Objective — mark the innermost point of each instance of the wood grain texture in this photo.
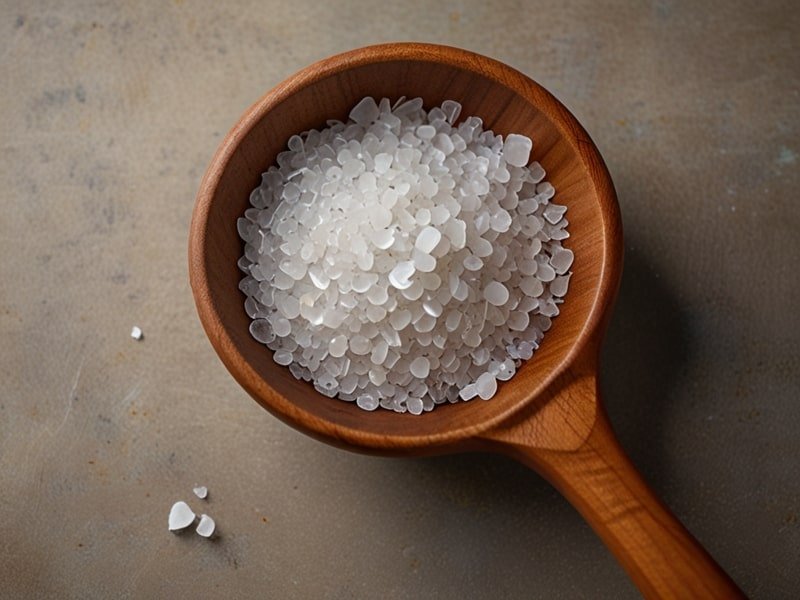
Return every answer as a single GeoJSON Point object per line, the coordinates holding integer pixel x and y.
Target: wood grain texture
{"type": "Point", "coordinates": [548, 415]}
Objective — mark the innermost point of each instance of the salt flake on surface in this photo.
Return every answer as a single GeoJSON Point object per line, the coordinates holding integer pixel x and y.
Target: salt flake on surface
{"type": "Point", "coordinates": [206, 526]}
{"type": "Point", "coordinates": [180, 516]}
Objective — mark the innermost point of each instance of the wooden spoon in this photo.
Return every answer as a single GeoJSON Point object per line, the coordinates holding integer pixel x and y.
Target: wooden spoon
{"type": "Point", "coordinates": [549, 416]}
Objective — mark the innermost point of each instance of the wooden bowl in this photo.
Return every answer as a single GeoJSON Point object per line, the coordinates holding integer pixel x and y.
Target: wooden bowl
{"type": "Point", "coordinates": [548, 415]}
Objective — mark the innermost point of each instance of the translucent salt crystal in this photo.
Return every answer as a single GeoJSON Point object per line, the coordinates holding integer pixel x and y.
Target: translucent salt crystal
{"type": "Point", "coordinates": [486, 386]}
{"type": "Point", "coordinates": [382, 238]}
{"type": "Point", "coordinates": [367, 402]}
{"type": "Point", "coordinates": [261, 330]}
{"type": "Point", "coordinates": [337, 346]}
{"type": "Point", "coordinates": [360, 345]}
{"type": "Point", "coordinates": [425, 324]}
{"type": "Point", "coordinates": [456, 230]}
{"type": "Point", "coordinates": [377, 295]}
{"type": "Point", "coordinates": [380, 216]}
{"type": "Point", "coordinates": [375, 314]}
{"type": "Point", "coordinates": [525, 350]}
{"type": "Point", "coordinates": [382, 162]}
{"type": "Point", "coordinates": [281, 326]}
{"type": "Point", "coordinates": [517, 150]}
{"type": "Point", "coordinates": [296, 269]}
{"type": "Point", "coordinates": [561, 260]}
{"type": "Point", "coordinates": [379, 352]}
{"type": "Point", "coordinates": [506, 370]}
{"type": "Point", "coordinates": [365, 260]}
{"type": "Point", "coordinates": [545, 272]}
{"type": "Point", "coordinates": [500, 221]}
{"type": "Point", "coordinates": [451, 110]}
{"type": "Point", "coordinates": [433, 307]}
{"type": "Point", "coordinates": [399, 277]}
{"type": "Point", "coordinates": [453, 320]}
{"type": "Point", "coordinates": [282, 357]}
{"type": "Point", "coordinates": [554, 213]}
{"type": "Point", "coordinates": [472, 263]}
{"type": "Point", "coordinates": [136, 333]}
{"type": "Point", "coordinates": [518, 321]}
{"type": "Point", "coordinates": [531, 286]}
{"type": "Point", "coordinates": [482, 247]}
{"type": "Point", "coordinates": [423, 262]}
{"type": "Point", "coordinates": [496, 293]}
{"type": "Point", "coordinates": [377, 376]}
{"type": "Point", "coordinates": [426, 132]}
{"type": "Point", "coordinates": [462, 291]}
{"type": "Point", "coordinates": [414, 406]}
{"type": "Point", "coordinates": [420, 367]}
{"type": "Point", "coordinates": [468, 392]}
{"type": "Point", "coordinates": [427, 239]}
{"type": "Point", "coordinates": [559, 285]}
{"type": "Point", "coordinates": [400, 319]}
{"type": "Point", "coordinates": [365, 112]}
{"type": "Point", "coordinates": [180, 516]}
{"type": "Point", "coordinates": [545, 191]}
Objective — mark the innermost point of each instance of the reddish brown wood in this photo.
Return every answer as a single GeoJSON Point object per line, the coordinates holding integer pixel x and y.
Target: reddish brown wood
{"type": "Point", "coordinates": [548, 415]}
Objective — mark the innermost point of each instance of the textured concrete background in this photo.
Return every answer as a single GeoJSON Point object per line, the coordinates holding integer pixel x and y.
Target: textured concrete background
{"type": "Point", "coordinates": [108, 117]}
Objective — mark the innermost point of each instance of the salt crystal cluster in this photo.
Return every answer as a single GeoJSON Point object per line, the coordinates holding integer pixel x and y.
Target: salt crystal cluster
{"type": "Point", "coordinates": [401, 260]}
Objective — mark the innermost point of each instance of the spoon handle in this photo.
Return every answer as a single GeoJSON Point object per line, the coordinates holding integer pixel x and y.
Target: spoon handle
{"type": "Point", "coordinates": [658, 552]}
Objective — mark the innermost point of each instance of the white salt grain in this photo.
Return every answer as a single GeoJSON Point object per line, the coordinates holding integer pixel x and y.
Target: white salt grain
{"type": "Point", "coordinates": [206, 526]}
{"type": "Point", "coordinates": [136, 333]}
{"type": "Point", "coordinates": [496, 293]}
{"type": "Point", "coordinates": [200, 491]}
{"type": "Point", "coordinates": [517, 150]}
{"type": "Point", "coordinates": [180, 516]}
{"type": "Point", "coordinates": [396, 260]}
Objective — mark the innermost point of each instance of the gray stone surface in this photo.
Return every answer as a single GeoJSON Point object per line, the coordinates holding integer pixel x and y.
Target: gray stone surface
{"type": "Point", "coordinates": [108, 117]}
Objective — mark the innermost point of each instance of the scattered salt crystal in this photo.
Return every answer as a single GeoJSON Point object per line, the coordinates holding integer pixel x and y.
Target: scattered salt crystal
{"type": "Point", "coordinates": [180, 516]}
{"type": "Point", "coordinates": [397, 261]}
{"type": "Point", "coordinates": [206, 526]}
{"type": "Point", "coordinates": [200, 491]}
{"type": "Point", "coordinates": [136, 333]}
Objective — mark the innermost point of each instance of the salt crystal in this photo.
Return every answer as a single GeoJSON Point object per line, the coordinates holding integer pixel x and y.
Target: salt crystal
{"type": "Point", "coordinates": [206, 526]}
{"type": "Point", "coordinates": [367, 402]}
{"type": "Point", "coordinates": [200, 491]}
{"type": "Point", "coordinates": [468, 392]}
{"type": "Point", "coordinates": [365, 112]}
{"type": "Point", "coordinates": [486, 386]}
{"type": "Point", "coordinates": [559, 285]}
{"type": "Point", "coordinates": [427, 239]}
{"type": "Point", "coordinates": [180, 516]}
{"type": "Point", "coordinates": [415, 406]}
{"type": "Point", "coordinates": [420, 367]}
{"type": "Point", "coordinates": [517, 150]}
{"type": "Point", "coordinates": [136, 333]}
{"type": "Point", "coordinates": [496, 293]}
{"type": "Point", "coordinates": [562, 260]}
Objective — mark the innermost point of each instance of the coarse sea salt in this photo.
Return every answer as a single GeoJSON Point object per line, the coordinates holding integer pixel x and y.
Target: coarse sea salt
{"type": "Point", "coordinates": [404, 259]}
